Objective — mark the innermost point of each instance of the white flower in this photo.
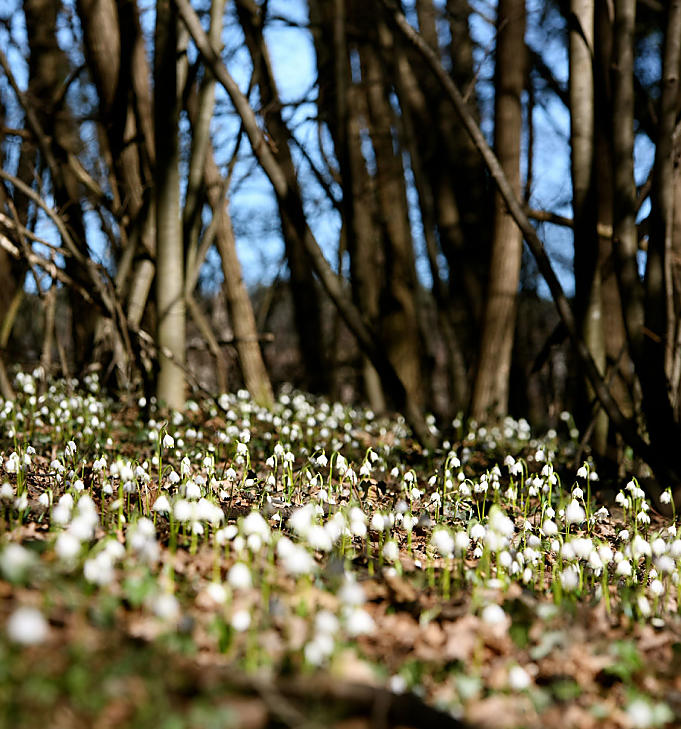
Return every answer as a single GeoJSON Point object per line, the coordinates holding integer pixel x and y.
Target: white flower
{"type": "Point", "coordinates": [99, 569]}
{"type": "Point", "coordinates": [162, 505]}
{"type": "Point", "coordinates": [478, 531]}
{"type": "Point", "coordinates": [239, 576]}
{"type": "Point", "coordinates": [241, 621]}
{"type": "Point", "coordinates": [574, 513]}
{"type": "Point", "coordinates": [461, 542]}
{"type": "Point", "coordinates": [639, 547]}
{"type": "Point", "coordinates": [656, 588]}
{"type": "Point", "coordinates": [67, 546]}
{"type": "Point", "coordinates": [254, 523]}
{"type": "Point", "coordinates": [217, 593]}
{"type": "Point", "coordinates": [183, 510]}
{"type": "Point", "coordinates": [640, 714]}
{"type": "Point", "coordinates": [583, 471]}
{"type": "Point", "coordinates": [302, 518]}
{"type": "Point", "coordinates": [296, 560]}
{"type": "Point", "coordinates": [624, 568]}
{"type": "Point", "coordinates": [15, 561]}
{"type": "Point", "coordinates": [643, 605]}
{"type": "Point", "coordinates": [359, 622]}
{"type": "Point", "coordinates": [352, 593]}
{"type": "Point", "coordinates": [518, 678]}
{"type": "Point", "coordinates": [166, 607]}
{"type": "Point", "coordinates": [26, 625]}
{"type": "Point", "coordinates": [391, 552]}
{"type": "Point", "coordinates": [168, 441]}
{"type": "Point", "coordinates": [549, 528]}
{"type": "Point", "coordinates": [493, 614]}
{"type": "Point", "coordinates": [569, 578]}
{"type": "Point", "coordinates": [326, 623]}
{"type": "Point", "coordinates": [443, 542]}
{"type": "Point", "coordinates": [319, 539]}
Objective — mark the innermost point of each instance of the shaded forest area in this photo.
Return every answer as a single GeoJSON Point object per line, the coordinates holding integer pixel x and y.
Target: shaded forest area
{"type": "Point", "coordinates": [125, 124]}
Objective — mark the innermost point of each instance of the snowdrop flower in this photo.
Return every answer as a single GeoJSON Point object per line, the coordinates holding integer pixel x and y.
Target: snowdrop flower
{"type": "Point", "coordinates": [352, 593]}
{"type": "Point", "coordinates": [296, 560]}
{"type": "Point", "coordinates": [326, 623]}
{"type": "Point", "coordinates": [665, 564]}
{"type": "Point", "coordinates": [639, 547]}
{"type": "Point", "coordinates": [318, 538]}
{"type": "Point", "coordinates": [478, 531]}
{"type": "Point", "coordinates": [574, 513]}
{"type": "Point", "coordinates": [583, 471]}
{"type": "Point", "coordinates": [67, 546]}
{"type": "Point", "coordinates": [461, 542]}
{"type": "Point", "coordinates": [359, 622]}
{"type": "Point", "coordinates": [166, 607]}
{"type": "Point", "coordinates": [569, 578]}
{"type": "Point", "coordinates": [500, 523]}
{"type": "Point", "coordinates": [161, 505]}
{"type": "Point", "coordinates": [302, 518]}
{"type": "Point", "coordinates": [493, 614]}
{"type": "Point", "coordinates": [254, 523]}
{"type": "Point", "coordinates": [623, 568]}
{"type": "Point", "coordinates": [640, 714]}
{"type": "Point", "coordinates": [239, 576]}
{"type": "Point", "coordinates": [518, 679]}
{"type": "Point", "coordinates": [15, 561]}
{"type": "Point", "coordinates": [99, 569]}
{"type": "Point", "coordinates": [27, 626]}
{"type": "Point", "coordinates": [442, 540]}
{"type": "Point", "coordinates": [549, 528]}
{"type": "Point", "coordinates": [666, 497]}
{"type": "Point", "coordinates": [183, 510]}
{"type": "Point", "coordinates": [643, 605]}
{"type": "Point", "coordinates": [656, 588]}
{"type": "Point", "coordinates": [217, 593]}
{"type": "Point", "coordinates": [391, 552]}
{"type": "Point", "coordinates": [241, 621]}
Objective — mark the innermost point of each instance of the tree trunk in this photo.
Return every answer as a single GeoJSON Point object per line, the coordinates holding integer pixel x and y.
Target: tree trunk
{"type": "Point", "coordinates": [588, 290]}
{"type": "Point", "coordinates": [170, 388]}
{"type": "Point", "coordinates": [239, 305]}
{"type": "Point", "coordinates": [490, 391]}
{"type": "Point", "coordinates": [398, 321]}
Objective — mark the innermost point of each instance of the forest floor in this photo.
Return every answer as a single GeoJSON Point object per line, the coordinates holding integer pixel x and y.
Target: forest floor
{"type": "Point", "coordinates": [311, 566]}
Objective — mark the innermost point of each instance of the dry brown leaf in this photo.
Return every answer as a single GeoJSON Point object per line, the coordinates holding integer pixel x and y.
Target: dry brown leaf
{"type": "Point", "coordinates": [461, 638]}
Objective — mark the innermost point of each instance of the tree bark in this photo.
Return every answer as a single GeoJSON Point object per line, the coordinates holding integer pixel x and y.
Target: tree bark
{"type": "Point", "coordinates": [490, 391]}
{"type": "Point", "coordinates": [170, 388]}
{"type": "Point", "coordinates": [588, 290]}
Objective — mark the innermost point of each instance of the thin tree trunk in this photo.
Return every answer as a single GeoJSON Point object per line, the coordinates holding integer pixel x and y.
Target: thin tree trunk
{"type": "Point", "coordinates": [490, 391]}
{"type": "Point", "coordinates": [588, 292]}
{"type": "Point", "coordinates": [398, 321]}
{"type": "Point", "coordinates": [170, 302]}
